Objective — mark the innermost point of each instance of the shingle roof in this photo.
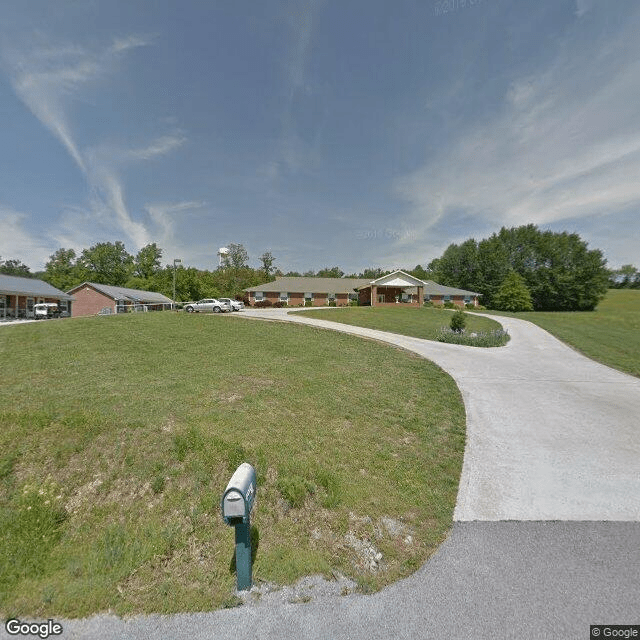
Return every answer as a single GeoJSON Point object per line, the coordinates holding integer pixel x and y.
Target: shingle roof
{"type": "Point", "coordinates": [312, 285]}
{"type": "Point", "coordinates": [434, 289]}
{"type": "Point", "coordinates": [347, 285]}
{"type": "Point", "coordinates": [122, 293]}
{"type": "Point", "coordinates": [15, 285]}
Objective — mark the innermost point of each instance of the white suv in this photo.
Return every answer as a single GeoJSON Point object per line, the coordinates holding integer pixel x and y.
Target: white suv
{"type": "Point", "coordinates": [207, 304]}
{"type": "Point", "coordinates": [235, 305]}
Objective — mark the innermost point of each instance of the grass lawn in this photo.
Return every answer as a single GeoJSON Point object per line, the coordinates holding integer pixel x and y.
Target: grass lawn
{"type": "Point", "coordinates": [610, 334]}
{"type": "Point", "coordinates": [119, 435]}
{"type": "Point", "coordinates": [418, 322]}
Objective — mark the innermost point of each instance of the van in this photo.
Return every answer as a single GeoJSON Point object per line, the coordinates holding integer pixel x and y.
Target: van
{"type": "Point", "coordinates": [44, 310]}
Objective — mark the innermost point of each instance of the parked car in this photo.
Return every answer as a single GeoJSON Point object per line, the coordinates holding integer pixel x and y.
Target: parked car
{"type": "Point", "coordinates": [44, 310]}
{"type": "Point", "coordinates": [207, 304]}
{"type": "Point", "coordinates": [236, 305]}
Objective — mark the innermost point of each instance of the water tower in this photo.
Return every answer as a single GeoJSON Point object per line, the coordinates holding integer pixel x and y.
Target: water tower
{"type": "Point", "coordinates": [223, 252]}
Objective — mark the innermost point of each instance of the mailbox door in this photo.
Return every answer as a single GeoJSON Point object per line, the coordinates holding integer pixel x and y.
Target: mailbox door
{"type": "Point", "coordinates": [233, 505]}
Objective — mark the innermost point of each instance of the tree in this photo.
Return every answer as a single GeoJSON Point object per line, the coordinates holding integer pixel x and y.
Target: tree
{"type": "Point", "coordinates": [513, 294]}
{"type": "Point", "coordinates": [624, 278]}
{"type": "Point", "coordinates": [333, 272]}
{"type": "Point", "coordinates": [267, 261]}
{"type": "Point", "coordinates": [147, 261]}
{"type": "Point", "coordinates": [107, 263]}
{"type": "Point", "coordinates": [420, 272]}
{"type": "Point", "coordinates": [15, 268]}
{"type": "Point", "coordinates": [561, 273]}
{"type": "Point", "coordinates": [62, 270]}
{"type": "Point", "coordinates": [373, 274]}
{"type": "Point", "coordinates": [236, 258]}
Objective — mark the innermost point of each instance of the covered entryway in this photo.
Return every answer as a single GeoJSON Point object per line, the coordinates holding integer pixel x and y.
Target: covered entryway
{"type": "Point", "coordinates": [396, 288]}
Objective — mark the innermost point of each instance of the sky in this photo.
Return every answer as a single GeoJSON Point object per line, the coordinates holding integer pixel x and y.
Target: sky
{"type": "Point", "coordinates": [357, 133]}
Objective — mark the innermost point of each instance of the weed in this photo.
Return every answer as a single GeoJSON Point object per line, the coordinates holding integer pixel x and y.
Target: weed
{"type": "Point", "coordinates": [330, 484]}
{"type": "Point", "coordinates": [294, 489]}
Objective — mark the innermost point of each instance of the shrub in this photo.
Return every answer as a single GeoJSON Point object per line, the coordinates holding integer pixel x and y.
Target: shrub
{"type": "Point", "coordinates": [279, 304]}
{"type": "Point", "coordinates": [428, 303]}
{"type": "Point", "coordinates": [308, 303]}
{"type": "Point", "coordinates": [449, 305]}
{"type": "Point", "coordinates": [458, 321]}
{"type": "Point", "coordinates": [261, 304]}
{"type": "Point", "coordinates": [470, 305]}
{"type": "Point", "coordinates": [332, 303]}
{"type": "Point", "coordinates": [513, 294]}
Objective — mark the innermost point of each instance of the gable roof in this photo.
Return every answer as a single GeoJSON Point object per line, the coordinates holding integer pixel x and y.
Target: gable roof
{"type": "Point", "coordinates": [312, 285]}
{"type": "Point", "coordinates": [122, 293]}
{"type": "Point", "coordinates": [350, 285]}
{"type": "Point", "coordinates": [16, 285]}
{"type": "Point", "coordinates": [397, 279]}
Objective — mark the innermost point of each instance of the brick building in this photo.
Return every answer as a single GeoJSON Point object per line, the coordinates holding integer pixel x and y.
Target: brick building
{"type": "Point", "coordinates": [395, 288]}
{"type": "Point", "coordinates": [92, 298]}
{"type": "Point", "coordinates": [19, 295]}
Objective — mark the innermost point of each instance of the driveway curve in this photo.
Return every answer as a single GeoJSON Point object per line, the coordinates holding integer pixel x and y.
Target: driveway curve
{"type": "Point", "coordinates": [551, 434]}
{"type": "Point", "coordinates": [546, 535]}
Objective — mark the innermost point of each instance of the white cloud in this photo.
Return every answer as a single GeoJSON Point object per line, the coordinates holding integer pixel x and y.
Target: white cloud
{"type": "Point", "coordinates": [166, 217]}
{"type": "Point", "coordinates": [159, 147]}
{"type": "Point", "coordinates": [565, 146]}
{"type": "Point", "coordinates": [17, 243]}
{"type": "Point", "coordinates": [129, 42]}
{"type": "Point", "coordinates": [46, 79]}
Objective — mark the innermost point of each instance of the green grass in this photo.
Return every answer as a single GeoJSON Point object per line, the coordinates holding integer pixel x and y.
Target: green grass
{"type": "Point", "coordinates": [120, 433]}
{"type": "Point", "coordinates": [610, 334]}
{"type": "Point", "coordinates": [418, 322]}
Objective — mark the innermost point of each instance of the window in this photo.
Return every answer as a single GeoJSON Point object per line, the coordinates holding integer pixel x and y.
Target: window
{"type": "Point", "coordinates": [284, 296]}
{"type": "Point", "coordinates": [308, 296]}
{"type": "Point", "coordinates": [467, 299]}
{"type": "Point", "coordinates": [259, 295]}
{"type": "Point", "coordinates": [427, 297]}
{"type": "Point", "coordinates": [332, 296]}
{"type": "Point", "coordinates": [447, 298]}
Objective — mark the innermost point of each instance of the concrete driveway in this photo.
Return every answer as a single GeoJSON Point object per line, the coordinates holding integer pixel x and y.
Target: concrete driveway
{"type": "Point", "coordinates": [546, 538]}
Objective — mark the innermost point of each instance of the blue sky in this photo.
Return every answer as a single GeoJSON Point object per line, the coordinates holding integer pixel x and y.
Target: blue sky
{"type": "Point", "coordinates": [357, 134]}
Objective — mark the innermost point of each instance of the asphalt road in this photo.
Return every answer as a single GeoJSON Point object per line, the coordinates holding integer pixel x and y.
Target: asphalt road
{"type": "Point", "coordinates": [546, 539]}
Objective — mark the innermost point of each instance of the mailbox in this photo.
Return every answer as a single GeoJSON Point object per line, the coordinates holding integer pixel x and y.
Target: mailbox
{"type": "Point", "coordinates": [240, 494]}
{"type": "Point", "coordinates": [236, 505]}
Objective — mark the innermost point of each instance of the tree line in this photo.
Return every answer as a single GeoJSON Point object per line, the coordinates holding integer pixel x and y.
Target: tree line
{"type": "Point", "coordinates": [110, 263]}
{"type": "Point", "coordinates": [557, 270]}
{"type": "Point", "coordinates": [517, 268]}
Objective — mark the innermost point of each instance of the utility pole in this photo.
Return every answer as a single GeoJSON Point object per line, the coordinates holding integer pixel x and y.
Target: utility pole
{"type": "Point", "coordinates": [175, 261]}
